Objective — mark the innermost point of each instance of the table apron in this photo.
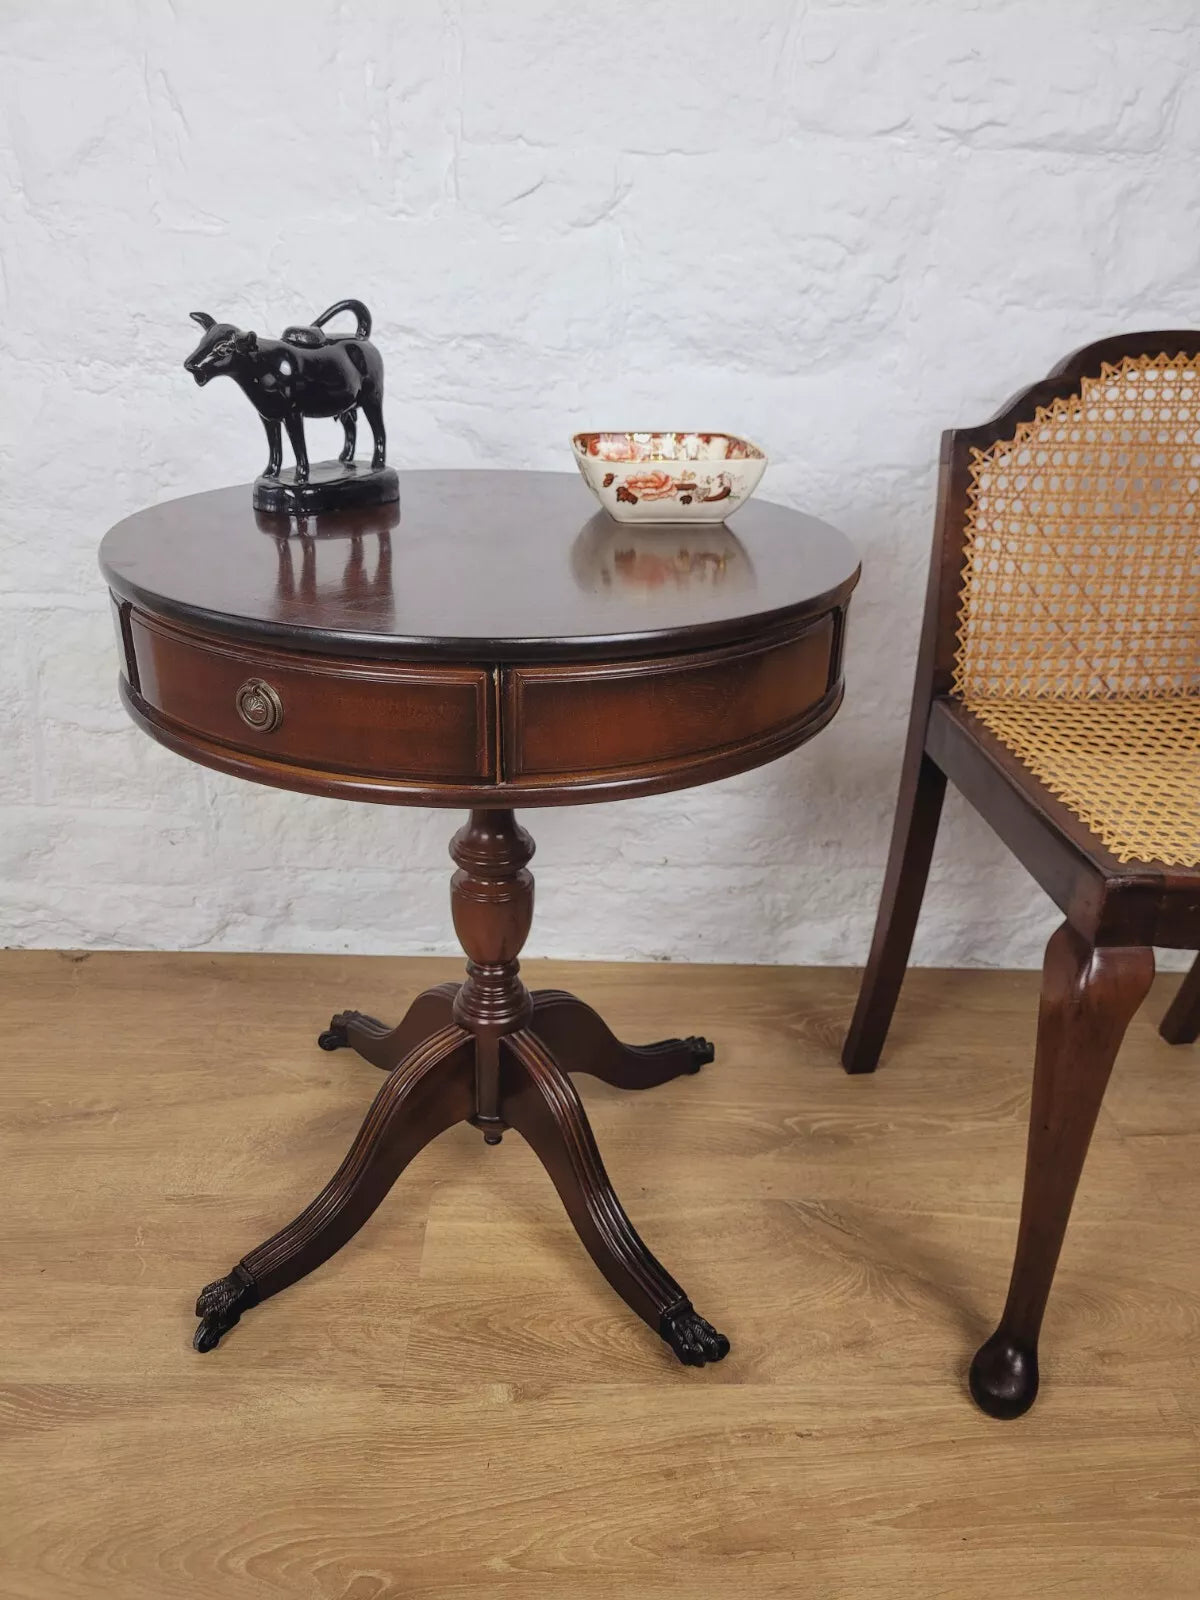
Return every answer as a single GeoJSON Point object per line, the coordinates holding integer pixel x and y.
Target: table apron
{"type": "Point", "coordinates": [478, 734]}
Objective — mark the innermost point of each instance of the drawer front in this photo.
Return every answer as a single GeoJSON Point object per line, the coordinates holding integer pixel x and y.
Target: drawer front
{"type": "Point", "coordinates": [407, 722]}
{"type": "Point", "coordinates": [565, 723]}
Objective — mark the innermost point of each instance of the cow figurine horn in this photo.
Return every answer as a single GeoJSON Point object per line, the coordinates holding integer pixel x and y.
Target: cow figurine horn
{"type": "Point", "coordinates": [203, 318]}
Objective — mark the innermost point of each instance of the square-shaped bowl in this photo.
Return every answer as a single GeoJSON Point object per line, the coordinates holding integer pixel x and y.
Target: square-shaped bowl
{"type": "Point", "coordinates": [669, 477]}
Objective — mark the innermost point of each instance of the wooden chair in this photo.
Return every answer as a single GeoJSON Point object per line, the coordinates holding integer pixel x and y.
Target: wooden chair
{"type": "Point", "coordinates": [1058, 685]}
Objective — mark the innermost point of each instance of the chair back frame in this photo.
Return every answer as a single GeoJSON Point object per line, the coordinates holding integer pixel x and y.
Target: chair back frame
{"type": "Point", "coordinates": [1107, 902]}
{"type": "Point", "coordinates": [940, 635]}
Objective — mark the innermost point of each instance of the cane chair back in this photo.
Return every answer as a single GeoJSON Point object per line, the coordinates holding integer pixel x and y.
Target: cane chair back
{"type": "Point", "coordinates": [1078, 622]}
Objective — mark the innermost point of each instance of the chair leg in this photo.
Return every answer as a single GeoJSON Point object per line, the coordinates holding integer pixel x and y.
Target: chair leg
{"type": "Point", "coordinates": [1181, 1025]}
{"type": "Point", "coordinates": [1088, 997]}
{"type": "Point", "coordinates": [918, 811]}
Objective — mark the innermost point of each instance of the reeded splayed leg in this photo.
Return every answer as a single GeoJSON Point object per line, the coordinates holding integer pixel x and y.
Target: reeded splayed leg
{"type": "Point", "coordinates": [1088, 998]}
{"type": "Point", "coordinates": [425, 1095]}
{"type": "Point", "coordinates": [386, 1047]}
{"type": "Point", "coordinates": [581, 1040]}
{"type": "Point", "coordinates": [539, 1101]}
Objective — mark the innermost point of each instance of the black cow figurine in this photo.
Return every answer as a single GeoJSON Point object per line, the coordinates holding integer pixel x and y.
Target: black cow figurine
{"type": "Point", "coordinates": [307, 373]}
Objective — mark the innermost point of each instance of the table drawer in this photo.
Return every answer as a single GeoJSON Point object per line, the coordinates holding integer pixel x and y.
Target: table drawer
{"type": "Point", "coordinates": [614, 721]}
{"type": "Point", "coordinates": [373, 718]}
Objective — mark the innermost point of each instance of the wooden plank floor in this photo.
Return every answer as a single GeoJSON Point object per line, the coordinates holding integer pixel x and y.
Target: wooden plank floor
{"type": "Point", "coordinates": [458, 1406]}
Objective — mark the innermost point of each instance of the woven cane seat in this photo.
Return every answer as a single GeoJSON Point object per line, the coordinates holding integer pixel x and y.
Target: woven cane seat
{"type": "Point", "coordinates": [1079, 620]}
{"type": "Point", "coordinates": [1128, 768]}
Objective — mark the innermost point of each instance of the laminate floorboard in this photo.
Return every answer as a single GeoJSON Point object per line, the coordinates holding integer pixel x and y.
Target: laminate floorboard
{"type": "Point", "coordinates": [456, 1406]}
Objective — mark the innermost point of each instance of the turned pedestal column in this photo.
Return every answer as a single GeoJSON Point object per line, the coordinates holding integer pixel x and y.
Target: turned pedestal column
{"type": "Point", "coordinates": [491, 898]}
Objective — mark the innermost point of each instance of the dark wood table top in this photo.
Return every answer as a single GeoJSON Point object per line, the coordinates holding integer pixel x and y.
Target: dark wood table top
{"type": "Point", "coordinates": [476, 566]}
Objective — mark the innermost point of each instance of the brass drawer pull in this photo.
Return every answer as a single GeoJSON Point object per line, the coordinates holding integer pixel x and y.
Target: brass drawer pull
{"type": "Point", "coordinates": [259, 706]}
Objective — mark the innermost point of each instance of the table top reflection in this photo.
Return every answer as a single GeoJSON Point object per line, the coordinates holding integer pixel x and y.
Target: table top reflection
{"type": "Point", "coordinates": [476, 565]}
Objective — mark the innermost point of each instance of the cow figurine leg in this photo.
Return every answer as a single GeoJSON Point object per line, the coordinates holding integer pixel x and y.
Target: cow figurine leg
{"type": "Point", "coordinates": [295, 427]}
{"type": "Point", "coordinates": [373, 411]}
{"type": "Point", "coordinates": [349, 421]}
{"type": "Point", "coordinates": [274, 447]}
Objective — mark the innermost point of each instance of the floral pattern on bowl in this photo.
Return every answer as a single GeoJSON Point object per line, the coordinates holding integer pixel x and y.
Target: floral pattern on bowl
{"type": "Point", "coordinates": [669, 477]}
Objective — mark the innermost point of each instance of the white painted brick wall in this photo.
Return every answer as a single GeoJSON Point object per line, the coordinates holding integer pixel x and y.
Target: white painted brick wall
{"type": "Point", "coordinates": [835, 227]}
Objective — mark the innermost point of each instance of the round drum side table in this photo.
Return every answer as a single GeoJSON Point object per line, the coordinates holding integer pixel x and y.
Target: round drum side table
{"type": "Point", "coordinates": [486, 644]}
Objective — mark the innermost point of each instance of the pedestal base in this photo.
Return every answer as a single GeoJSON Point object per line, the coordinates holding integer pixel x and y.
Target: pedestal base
{"type": "Point", "coordinates": [489, 1053]}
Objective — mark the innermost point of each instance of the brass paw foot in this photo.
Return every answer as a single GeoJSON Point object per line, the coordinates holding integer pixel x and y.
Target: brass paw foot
{"type": "Point", "coordinates": [693, 1340]}
{"type": "Point", "coordinates": [220, 1306]}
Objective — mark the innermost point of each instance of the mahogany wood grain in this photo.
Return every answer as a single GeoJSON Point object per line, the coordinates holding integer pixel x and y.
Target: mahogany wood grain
{"type": "Point", "coordinates": [376, 718]}
{"type": "Point", "coordinates": [327, 779]}
{"type": "Point", "coordinates": [613, 721]}
{"type": "Point", "coordinates": [448, 735]}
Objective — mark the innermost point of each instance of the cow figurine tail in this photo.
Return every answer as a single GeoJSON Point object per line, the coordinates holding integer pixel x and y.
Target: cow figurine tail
{"type": "Point", "coordinates": [363, 331]}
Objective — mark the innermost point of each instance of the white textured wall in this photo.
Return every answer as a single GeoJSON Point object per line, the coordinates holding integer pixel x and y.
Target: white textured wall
{"type": "Point", "coordinates": [837, 228]}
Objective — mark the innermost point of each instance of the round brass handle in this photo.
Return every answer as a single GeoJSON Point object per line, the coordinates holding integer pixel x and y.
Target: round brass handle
{"type": "Point", "coordinates": [259, 706]}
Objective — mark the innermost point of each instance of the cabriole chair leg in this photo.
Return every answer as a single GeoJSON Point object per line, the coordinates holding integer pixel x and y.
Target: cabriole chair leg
{"type": "Point", "coordinates": [1088, 997]}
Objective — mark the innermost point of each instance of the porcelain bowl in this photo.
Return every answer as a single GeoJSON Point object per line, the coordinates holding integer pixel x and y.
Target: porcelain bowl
{"type": "Point", "coordinates": [669, 477]}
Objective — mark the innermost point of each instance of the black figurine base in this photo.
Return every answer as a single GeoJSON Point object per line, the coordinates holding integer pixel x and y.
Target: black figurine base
{"type": "Point", "coordinates": [331, 486]}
